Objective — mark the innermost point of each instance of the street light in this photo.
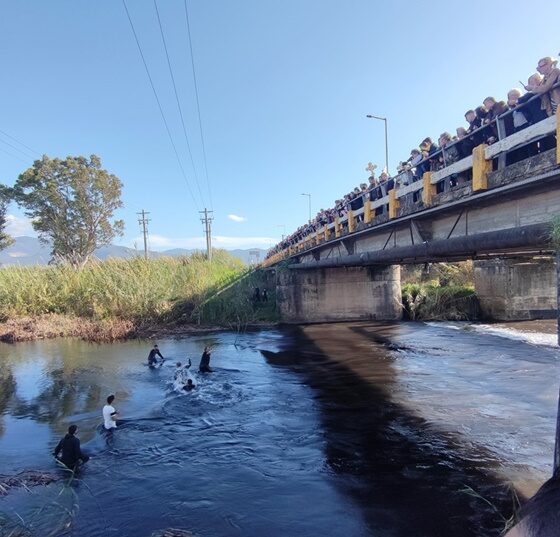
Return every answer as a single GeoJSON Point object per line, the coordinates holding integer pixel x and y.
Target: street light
{"type": "Point", "coordinates": [283, 226]}
{"type": "Point", "coordinates": [309, 198]}
{"type": "Point", "coordinates": [386, 142]}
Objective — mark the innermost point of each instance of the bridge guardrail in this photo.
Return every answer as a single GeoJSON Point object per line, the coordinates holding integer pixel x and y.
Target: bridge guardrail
{"type": "Point", "coordinates": [424, 191]}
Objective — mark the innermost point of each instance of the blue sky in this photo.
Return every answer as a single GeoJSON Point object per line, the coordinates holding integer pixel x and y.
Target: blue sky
{"type": "Point", "coordinates": [284, 88]}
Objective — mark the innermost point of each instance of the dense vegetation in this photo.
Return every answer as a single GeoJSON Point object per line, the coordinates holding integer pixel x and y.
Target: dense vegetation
{"type": "Point", "coordinates": [443, 291]}
{"type": "Point", "coordinates": [121, 296]}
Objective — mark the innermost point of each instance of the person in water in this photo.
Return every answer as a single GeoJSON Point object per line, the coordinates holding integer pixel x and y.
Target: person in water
{"type": "Point", "coordinates": [179, 375]}
{"type": "Point", "coordinates": [110, 414]}
{"type": "Point", "coordinates": [540, 516]}
{"type": "Point", "coordinates": [71, 451]}
{"type": "Point", "coordinates": [204, 366]}
{"type": "Point", "coordinates": [189, 385]}
{"type": "Point", "coordinates": [152, 357]}
{"type": "Point", "coordinates": [178, 371]}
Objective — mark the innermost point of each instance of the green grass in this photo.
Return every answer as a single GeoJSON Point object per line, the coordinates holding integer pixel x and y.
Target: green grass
{"type": "Point", "coordinates": [235, 307]}
{"type": "Point", "coordinates": [136, 290]}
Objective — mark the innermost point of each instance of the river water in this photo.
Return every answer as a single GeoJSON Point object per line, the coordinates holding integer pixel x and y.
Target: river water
{"type": "Point", "coordinates": [351, 429]}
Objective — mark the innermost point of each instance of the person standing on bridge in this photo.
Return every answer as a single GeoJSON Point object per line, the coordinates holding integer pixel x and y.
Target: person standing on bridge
{"type": "Point", "coordinates": [550, 96]}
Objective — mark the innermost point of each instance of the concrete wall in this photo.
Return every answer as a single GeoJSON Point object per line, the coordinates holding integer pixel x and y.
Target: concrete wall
{"type": "Point", "coordinates": [339, 294]}
{"type": "Point", "coordinates": [516, 289]}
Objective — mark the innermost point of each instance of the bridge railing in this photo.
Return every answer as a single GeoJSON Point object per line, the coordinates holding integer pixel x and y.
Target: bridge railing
{"type": "Point", "coordinates": [410, 196]}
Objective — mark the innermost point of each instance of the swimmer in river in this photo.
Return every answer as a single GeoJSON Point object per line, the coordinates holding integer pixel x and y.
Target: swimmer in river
{"type": "Point", "coordinates": [152, 360]}
{"type": "Point", "coordinates": [179, 375]}
{"type": "Point", "coordinates": [110, 415]}
{"type": "Point", "coordinates": [71, 451]}
{"type": "Point", "coordinates": [204, 366]}
{"type": "Point", "coordinates": [189, 385]}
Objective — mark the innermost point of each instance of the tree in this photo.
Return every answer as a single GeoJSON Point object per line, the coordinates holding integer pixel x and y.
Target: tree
{"type": "Point", "coordinates": [5, 239]}
{"type": "Point", "coordinates": [71, 204]}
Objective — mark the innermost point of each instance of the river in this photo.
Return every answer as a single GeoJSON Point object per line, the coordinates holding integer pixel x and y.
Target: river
{"type": "Point", "coordinates": [350, 429]}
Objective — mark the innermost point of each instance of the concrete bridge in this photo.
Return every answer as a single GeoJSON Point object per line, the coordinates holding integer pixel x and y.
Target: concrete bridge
{"type": "Point", "coordinates": [502, 218]}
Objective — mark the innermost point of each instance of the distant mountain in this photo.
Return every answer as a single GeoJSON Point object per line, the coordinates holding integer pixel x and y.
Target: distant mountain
{"type": "Point", "coordinates": [25, 251]}
{"type": "Point", "coordinates": [29, 251]}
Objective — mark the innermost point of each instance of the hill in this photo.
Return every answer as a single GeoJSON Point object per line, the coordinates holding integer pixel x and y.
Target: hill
{"type": "Point", "coordinates": [27, 251]}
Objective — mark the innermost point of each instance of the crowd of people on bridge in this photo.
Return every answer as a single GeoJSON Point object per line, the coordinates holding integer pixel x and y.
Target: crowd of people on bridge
{"type": "Point", "coordinates": [538, 100]}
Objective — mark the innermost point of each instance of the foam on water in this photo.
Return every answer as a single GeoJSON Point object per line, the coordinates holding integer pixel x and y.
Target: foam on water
{"type": "Point", "coordinates": [527, 336]}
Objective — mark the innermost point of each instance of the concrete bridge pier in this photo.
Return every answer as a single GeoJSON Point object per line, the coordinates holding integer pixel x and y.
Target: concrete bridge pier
{"type": "Point", "coordinates": [339, 294]}
{"type": "Point", "coordinates": [516, 289]}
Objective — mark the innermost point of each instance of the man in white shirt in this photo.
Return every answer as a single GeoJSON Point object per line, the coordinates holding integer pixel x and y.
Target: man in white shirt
{"type": "Point", "coordinates": [110, 414]}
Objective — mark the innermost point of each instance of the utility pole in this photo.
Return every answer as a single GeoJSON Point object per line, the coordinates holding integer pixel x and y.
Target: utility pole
{"type": "Point", "coordinates": [207, 221]}
{"type": "Point", "coordinates": [143, 221]}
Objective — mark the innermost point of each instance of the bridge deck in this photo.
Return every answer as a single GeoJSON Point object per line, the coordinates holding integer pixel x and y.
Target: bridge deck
{"type": "Point", "coordinates": [507, 210]}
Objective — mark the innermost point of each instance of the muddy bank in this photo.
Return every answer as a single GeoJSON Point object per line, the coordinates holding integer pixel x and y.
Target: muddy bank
{"type": "Point", "coordinates": [105, 331]}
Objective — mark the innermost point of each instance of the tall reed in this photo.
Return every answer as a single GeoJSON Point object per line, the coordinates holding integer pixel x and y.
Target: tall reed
{"type": "Point", "coordinates": [135, 289]}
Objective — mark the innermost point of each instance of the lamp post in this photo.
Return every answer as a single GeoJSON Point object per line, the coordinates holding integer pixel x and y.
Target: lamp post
{"type": "Point", "coordinates": [309, 199]}
{"type": "Point", "coordinates": [283, 226]}
{"type": "Point", "coordinates": [386, 140]}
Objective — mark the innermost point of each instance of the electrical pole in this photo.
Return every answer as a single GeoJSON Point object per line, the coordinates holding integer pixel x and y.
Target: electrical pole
{"type": "Point", "coordinates": [143, 221]}
{"type": "Point", "coordinates": [207, 221]}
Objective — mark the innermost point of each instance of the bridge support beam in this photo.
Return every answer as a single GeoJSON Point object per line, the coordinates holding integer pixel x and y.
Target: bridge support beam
{"type": "Point", "coordinates": [516, 289]}
{"type": "Point", "coordinates": [339, 294]}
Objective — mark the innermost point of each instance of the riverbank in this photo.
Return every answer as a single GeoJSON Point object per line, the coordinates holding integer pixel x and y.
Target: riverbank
{"type": "Point", "coordinates": [52, 326]}
{"type": "Point", "coordinates": [122, 299]}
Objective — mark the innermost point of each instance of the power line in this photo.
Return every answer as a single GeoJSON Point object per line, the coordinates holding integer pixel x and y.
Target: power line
{"type": "Point", "coordinates": [198, 104]}
{"type": "Point", "coordinates": [178, 101]}
{"type": "Point", "coordinates": [16, 148]}
{"type": "Point", "coordinates": [159, 104]}
{"type": "Point", "coordinates": [20, 143]}
{"type": "Point", "coordinates": [13, 156]}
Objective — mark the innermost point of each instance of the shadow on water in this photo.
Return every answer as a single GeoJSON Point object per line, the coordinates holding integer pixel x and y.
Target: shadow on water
{"type": "Point", "coordinates": [405, 475]}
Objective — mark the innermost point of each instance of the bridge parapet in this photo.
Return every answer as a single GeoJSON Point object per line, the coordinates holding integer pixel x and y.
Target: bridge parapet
{"type": "Point", "coordinates": [488, 166]}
